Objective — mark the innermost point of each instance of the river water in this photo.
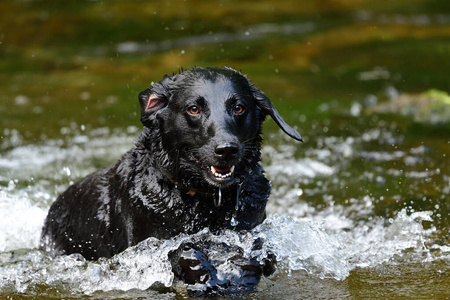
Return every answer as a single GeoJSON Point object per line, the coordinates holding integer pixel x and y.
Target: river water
{"type": "Point", "coordinates": [358, 211]}
{"type": "Point", "coordinates": [331, 247]}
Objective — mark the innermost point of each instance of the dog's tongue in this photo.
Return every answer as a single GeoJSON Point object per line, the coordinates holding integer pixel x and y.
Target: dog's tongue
{"type": "Point", "coordinates": [223, 169]}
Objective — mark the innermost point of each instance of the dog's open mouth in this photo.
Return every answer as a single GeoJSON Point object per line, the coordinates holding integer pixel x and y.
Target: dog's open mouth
{"type": "Point", "coordinates": [222, 173]}
{"type": "Point", "coordinates": [217, 175]}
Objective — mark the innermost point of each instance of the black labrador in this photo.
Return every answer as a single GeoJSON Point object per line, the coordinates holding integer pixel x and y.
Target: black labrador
{"type": "Point", "coordinates": [195, 165]}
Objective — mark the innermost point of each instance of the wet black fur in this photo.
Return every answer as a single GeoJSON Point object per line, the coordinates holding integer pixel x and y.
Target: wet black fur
{"type": "Point", "coordinates": [161, 187]}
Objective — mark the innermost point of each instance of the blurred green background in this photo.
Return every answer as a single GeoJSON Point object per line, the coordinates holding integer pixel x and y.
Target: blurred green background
{"type": "Point", "coordinates": [86, 61]}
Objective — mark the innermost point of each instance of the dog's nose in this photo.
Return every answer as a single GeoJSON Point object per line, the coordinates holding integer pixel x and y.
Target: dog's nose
{"type": "Point", "coordinates": [227, 150]}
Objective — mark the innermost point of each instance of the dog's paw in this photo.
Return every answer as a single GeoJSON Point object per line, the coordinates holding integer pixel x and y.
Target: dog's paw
{"type": "Point", "coordinates": [226, 271]}
{"type": "Point", "coordinates": [269, 263]}
{"type": "Point", "coordinates": [191, 265]}
{"type": "Point", "coordinates": [242, 274]}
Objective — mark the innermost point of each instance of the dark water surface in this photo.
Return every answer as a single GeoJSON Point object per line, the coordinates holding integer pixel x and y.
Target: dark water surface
{"type": "Point", "coordinates": [360, 210]}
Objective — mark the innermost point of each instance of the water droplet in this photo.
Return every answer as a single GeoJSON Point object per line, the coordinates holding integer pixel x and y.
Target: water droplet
{"type": "Point", "coordinates": [218, 200]}
{"type": "Point", "coordinates": [11, 185]}
{"type": "Point", "coordinates": [67, 171]}
{"type": "Point", "coordinates": [234, 221]}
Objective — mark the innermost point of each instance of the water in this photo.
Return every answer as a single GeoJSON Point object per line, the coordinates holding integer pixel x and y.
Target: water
{"type": "Point", "coordinates": [358, 211]}
{"type": "Point", "coordinates": [323, 244]}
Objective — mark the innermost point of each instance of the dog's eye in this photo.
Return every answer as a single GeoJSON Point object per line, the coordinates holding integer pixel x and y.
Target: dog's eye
{"type": "Point", "coordinates": [193, 110]}
{"type": "Point", "coordinates": [238, 109]}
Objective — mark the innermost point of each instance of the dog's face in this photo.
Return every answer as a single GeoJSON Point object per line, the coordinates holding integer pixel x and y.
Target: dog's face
{"type": "Point", "coordinates": [209, 125]}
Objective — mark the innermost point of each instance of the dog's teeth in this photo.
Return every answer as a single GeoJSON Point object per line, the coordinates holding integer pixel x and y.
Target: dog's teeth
{"type": "Point", "coordinates": [220, 175]}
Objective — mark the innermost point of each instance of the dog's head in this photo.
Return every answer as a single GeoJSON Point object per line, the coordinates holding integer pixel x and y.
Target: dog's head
{"type": "Point", "coordinates": [205, 126]}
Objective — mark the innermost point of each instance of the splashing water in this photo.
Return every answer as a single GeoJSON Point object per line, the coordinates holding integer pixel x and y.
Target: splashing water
{"type": "Point", "coordinates": [234, 221]}
{"type": "Point", "coordinates": [298, 245]}
{"type": "Point", "coordinates": [326, 243]}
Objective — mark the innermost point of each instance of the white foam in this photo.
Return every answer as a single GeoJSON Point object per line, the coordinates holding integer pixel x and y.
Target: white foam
{"type": "Point", "coordinates": [21, 221]}
{"type": "Point", "coordinates": [299, 168]}
{"type": "Point", "coordinates": [304, 245]}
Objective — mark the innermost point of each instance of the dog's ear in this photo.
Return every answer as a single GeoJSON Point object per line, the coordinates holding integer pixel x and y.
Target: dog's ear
{"type": "Point", "coordinates": [267, 107]}
{"type": "Point", "coordinates": [154, 98]}
{"type": "Point", "coordinates": [150, 101]}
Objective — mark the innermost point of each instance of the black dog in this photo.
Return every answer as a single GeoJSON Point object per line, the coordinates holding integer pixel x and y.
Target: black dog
{"type": "Point", "coordinates": [195, 165]}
